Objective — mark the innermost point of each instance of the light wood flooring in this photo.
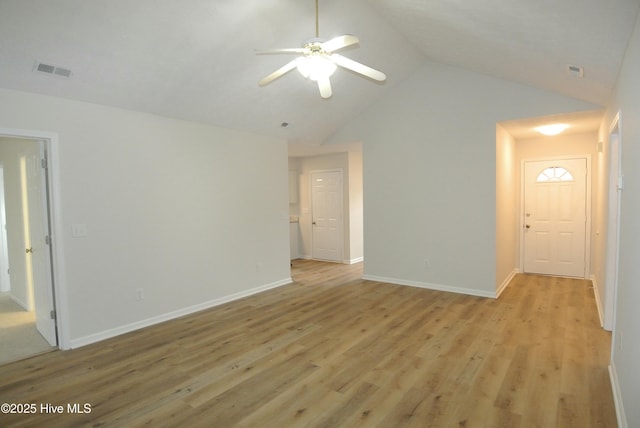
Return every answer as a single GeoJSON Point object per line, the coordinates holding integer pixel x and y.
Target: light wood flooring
{"type": "Point", "coordinates": [332, 350]}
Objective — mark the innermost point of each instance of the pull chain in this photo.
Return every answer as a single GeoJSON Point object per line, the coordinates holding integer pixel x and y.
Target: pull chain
{"type": "Point", "coordinates": [317, 25]}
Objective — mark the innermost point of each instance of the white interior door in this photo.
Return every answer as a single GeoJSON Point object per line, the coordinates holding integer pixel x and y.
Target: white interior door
{"type": "Point", "coordinates": [326, 197]}
{"type": "Point", "coordinates": [554, 234]}
{"type": "Point", "coordinates": [36, 239]}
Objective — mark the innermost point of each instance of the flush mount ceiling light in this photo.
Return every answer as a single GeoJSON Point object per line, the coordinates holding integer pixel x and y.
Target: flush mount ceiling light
{"type": "Point", "coordinates": [318, 61]}
{"type": "Point", "coordinates": [552, 129]}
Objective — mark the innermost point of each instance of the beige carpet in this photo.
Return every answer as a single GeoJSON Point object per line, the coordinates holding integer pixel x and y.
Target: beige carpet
{"type": "Point", "coordinates": [18, 335]}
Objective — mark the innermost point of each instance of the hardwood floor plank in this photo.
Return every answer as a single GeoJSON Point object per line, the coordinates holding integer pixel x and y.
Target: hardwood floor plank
{"type": "Point", "coordinates": [392, 386]}
{"type": "Point", "coordinates": [331, 349]}
{"type": "Point", "coordinates": [339, 414]}
{"type": "Point", "coordinates": [299, 405]}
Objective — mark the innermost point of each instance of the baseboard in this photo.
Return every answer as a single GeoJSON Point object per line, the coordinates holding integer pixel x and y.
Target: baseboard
{"type": "Point", "coordinates": [343, 261]}
{"type": "Point", "coordinates": [107, 334]}
{"type": "Point", "coordinates": [429, 286]}
{"type": "Point", "coordinates": [506, 282]}
{"type": "Point", "coordinates": [22, 304]}
{"type": "Point", "coordinates": [617, 397]}
{"type": "Point", "coordinates": [596, 292]}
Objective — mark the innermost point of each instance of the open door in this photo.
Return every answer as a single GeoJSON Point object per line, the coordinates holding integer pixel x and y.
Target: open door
{"type": "Point", "coordinates": [37, 240]}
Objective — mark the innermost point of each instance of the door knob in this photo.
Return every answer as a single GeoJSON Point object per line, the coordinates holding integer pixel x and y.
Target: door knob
{"type": "Point", "coordinates": [527, 226]}
{"type": "Point", "coordinates": [29, 250]}
{"type": "Point", "coordinates": [313, 222]}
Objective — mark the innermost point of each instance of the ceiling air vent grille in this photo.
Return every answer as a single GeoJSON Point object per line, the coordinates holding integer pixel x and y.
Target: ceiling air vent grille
{"type": "Point", "coordinates": [575, 71]}
{"type": "Point", "coordinates": [52, 69]}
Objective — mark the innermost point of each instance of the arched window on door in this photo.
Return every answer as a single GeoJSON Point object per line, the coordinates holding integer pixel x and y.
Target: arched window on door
{"type": "Point", "coordinates": [554, 173]}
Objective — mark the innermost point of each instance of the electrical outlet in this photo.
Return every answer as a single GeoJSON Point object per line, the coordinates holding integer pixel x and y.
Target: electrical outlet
{"type": "Point", "coordinates": [139, 294]}
{"type": "Point", "coordinates": [78, 230]}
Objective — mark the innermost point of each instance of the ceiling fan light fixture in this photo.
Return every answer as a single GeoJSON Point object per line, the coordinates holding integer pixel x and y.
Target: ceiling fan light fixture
{"type": "Point", "coordinates": [315, 67]}
{"type": "Point", "coordinates": [319, 61]}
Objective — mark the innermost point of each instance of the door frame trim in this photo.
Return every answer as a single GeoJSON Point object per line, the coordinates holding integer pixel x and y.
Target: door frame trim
{"type": "Point", "coordinates": [587, 232]}
{"type": "Point", "coordinates": [342, 211]}
{"type": "Point", "coordinates": [60, 295]}
{"type": "Point", "coordinates": [612, 244]}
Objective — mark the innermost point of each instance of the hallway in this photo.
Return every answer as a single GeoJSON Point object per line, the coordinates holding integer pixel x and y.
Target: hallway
{"type": "Point", "coordinates": [18, 335]}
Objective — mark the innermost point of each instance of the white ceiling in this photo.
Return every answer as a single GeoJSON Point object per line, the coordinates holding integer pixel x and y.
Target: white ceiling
{"type": "Point", "coordinates": [195, 59]}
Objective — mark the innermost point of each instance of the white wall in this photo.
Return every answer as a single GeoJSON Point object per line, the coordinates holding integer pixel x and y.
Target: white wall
{"type": "Point", "coordinates": [626, 335]}
{"type": "Point", "coordinates": [5, 282]}
{"type": "Point", "coordinates": [582, 143]}
{"type": "Point", "coordinates": [294, 170]}
{"type": "Point", "coordinates": [190, 213]}
{"type": "Point", "coordinates": [356, 202]}
{"type": "Point", "coordinates": [429, 151]}
{"type": "Point", "coordinates": [294, 208]}
{"type": "Point", "coordinates": [507, 208]}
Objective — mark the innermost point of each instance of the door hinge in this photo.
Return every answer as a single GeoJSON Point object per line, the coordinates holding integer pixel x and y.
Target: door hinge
{"type": "Point", "coordinates": [53, 314]}
{"type": "Point", "coordinates": [43, 162]}
{"type": "Point", "coordinates": [47, 240]}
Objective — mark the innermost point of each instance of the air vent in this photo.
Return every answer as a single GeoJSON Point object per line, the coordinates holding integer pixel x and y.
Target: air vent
{"type": "Point", "coordinates": [46, 68]}
{"type": "Point", "coordinates": [575, 71]}
{"type": "Point", "coordinates": [52, 69]}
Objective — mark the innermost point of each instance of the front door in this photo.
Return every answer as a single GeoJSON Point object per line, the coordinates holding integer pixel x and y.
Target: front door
{"type": "Point", "coordinates": [326, 194]}
{"type": "Point", "coordinates": [554, 218]}
{"type": "Point", "coordinates": [36, 242]}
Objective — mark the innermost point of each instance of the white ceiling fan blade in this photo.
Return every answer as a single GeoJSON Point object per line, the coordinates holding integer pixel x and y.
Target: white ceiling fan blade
{"type": "Point", "coordinates": [358, 68]}
{"type": "Point", "coordinates": [339, 43]}
{"type": "Point", "coordinates": [279, 72]}
{"type": "Point", "coordinates": [281, 51]}
{"type": "Point", "coordinates": [324, 84]}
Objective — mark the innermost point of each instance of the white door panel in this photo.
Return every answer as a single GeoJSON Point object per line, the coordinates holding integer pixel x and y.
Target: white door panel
{"type": "Point", "coordinates": [327, 235]}
{"type": "Point", "coordinates": [554, 239]}
{"type": "Point", "coordinates": [37, 248]}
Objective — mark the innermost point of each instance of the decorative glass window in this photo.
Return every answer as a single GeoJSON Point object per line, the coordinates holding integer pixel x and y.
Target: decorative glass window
{"type": "Point", "coordinates": [554, 173]}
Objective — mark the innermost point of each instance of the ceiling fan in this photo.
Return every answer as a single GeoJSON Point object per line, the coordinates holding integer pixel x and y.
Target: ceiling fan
{"type": "Point", "coordinates": [319, 61]}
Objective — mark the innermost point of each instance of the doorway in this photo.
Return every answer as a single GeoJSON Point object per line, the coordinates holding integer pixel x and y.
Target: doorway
{"type": "Point", "coordinates": [326, 226]}
{"type": "Point", "coordinates": [5, 280]}
{"type": "Point", "coordinates": [27, 308]}
{"type": "Point", "coordinates": [555, 217]}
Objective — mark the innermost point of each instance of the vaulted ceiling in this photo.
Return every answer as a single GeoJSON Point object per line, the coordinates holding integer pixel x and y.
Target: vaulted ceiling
{"type": "Point", "coordinates": [195, 59]}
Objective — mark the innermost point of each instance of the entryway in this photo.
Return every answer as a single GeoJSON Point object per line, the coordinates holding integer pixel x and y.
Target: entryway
{"type": "Point", "coordinates": [27, 310]}
{"type": "Point", "coordinates": [327, 231]}
{"type": "Point", "coordinates": [19, 337]}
